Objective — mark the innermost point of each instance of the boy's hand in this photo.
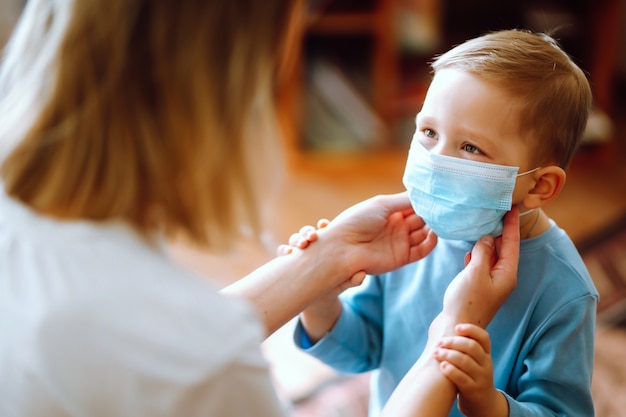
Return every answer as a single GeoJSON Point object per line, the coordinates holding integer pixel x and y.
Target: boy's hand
{"type": "Point", "coordinates": [302, 238]}
{"type": "Point", "coordinates": [465, 359]}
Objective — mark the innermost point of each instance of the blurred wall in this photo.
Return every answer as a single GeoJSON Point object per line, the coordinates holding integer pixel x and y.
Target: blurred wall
{"type": "Point", "coordinates": [622, 45]}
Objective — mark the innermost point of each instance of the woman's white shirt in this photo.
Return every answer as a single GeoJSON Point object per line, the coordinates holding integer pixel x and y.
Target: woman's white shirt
{"type": "Point", "coordinates": [96, 321]}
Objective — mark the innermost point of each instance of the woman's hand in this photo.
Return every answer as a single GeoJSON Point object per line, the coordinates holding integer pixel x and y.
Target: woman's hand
{"type": "Point", "coordinates": [490, 275]}
{"type": "Point", "coordinates": [381, 234]}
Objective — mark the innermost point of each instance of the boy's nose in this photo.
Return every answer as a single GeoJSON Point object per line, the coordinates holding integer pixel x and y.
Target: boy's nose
{"type": "Point", "coordinates": [441, 148]}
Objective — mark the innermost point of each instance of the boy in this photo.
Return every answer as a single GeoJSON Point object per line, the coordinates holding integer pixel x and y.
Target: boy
{"type": "Point", "coordinates": [500, 122]}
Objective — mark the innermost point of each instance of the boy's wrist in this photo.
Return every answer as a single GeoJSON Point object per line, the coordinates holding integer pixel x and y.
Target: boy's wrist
{"type": "Point", "coordinates": [320, 318]}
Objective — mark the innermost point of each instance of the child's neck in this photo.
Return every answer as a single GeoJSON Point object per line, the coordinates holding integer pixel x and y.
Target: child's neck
{"type": "Point", "coordinates": [533, 224]}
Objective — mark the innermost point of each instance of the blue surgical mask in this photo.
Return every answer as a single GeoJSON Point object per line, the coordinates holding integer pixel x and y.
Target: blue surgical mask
{"type": "Point", "coordinates": [459, 199]}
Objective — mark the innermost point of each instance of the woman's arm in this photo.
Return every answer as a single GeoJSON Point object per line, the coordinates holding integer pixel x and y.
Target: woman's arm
{"type": "Point", "coordinates": [375, 236]}
{"type": "Point", "coordinates": [474, 296]}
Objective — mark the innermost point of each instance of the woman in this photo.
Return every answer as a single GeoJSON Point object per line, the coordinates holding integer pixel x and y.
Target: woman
{"type": "Point", "coordinates": [127, 122]}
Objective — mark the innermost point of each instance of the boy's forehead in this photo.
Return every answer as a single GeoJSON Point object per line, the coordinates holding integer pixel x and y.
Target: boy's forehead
{"type": "Point", "coordinates": [453, 80]}
{"type": "Point", "coordinates": [465, 97]}
{"type": "Point", "coordinates": [462, 105]}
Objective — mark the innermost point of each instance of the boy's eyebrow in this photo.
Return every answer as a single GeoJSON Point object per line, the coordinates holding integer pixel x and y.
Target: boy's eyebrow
{"type": "Point", "coordinates": [425, 119]}
{"type": "Point", "coordinates": [462, 131]}
{"type": "Point", "coordinates": [473, 134]}
{"type": "Point", "coordinates": [485, 143]}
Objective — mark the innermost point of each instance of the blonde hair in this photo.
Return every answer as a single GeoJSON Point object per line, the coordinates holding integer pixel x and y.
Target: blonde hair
{"type": "Point", "coordinates": [143, 111]}
{"type": "Point", "coordinates": [554, 93]}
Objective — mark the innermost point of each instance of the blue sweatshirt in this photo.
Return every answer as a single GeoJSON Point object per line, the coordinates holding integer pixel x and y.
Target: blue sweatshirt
{"type": "Point", "coordinates": [542, 338]}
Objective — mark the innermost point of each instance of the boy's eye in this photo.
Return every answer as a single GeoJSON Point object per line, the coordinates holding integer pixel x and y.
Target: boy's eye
{"type": "Point", "coordinates": [471, 148]}
{"type": "Point", "coordinates": [429, 133]}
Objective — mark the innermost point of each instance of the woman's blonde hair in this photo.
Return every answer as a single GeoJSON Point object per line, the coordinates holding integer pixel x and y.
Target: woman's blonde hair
{"type": "Point", "coordinates": [554, 92]}
{"type": "Point", "coordinates": [145, 111]}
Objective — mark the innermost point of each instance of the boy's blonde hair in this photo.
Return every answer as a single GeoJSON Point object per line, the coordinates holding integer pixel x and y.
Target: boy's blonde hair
{"type": "Point", "coordinates": [145, 111]}
{"type": "Point", "coordinates": [554, 92]}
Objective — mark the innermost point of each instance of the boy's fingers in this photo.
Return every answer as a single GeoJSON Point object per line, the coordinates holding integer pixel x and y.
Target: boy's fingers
{"type": "Point", "coordinates": [322, 223]}
{"type": "Point", "coordinates": [298, 241]}
{"type": "Point", "coordinates": [308, 232]}
{"type": "Point", "coordinates": [476, 333]}
{"type": "Point", "coordinates": [283, 250]}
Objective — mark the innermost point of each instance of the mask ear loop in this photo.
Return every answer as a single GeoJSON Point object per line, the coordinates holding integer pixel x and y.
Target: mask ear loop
{"type": "Point", "coordinates": [532, 228]}
{"type": "Point", "coordinates": [528, 172]}
{"type": "Point", "coordinates": [527, 212]}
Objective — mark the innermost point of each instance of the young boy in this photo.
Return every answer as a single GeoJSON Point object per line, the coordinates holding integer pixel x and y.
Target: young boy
{"type": "Point", "coordinates": [500, 122]}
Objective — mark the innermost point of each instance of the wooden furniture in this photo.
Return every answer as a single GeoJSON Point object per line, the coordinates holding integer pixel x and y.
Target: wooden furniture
{"type": "Point", "coordinates": [375, 22]}
{"type": "Point", "coordinates": [388, 68]}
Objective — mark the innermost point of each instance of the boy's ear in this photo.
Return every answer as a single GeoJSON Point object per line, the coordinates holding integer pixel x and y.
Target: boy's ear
{"type": "Point", "coordinates": [549, 182]}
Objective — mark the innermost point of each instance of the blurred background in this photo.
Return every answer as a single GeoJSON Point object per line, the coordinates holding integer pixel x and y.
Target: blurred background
{"type": "Point", "coordinates": [356, 75]}
{"type": "Point", "coordinates": [362, 65]}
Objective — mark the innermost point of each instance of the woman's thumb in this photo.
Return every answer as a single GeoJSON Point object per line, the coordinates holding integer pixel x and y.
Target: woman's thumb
{"type": "Point", "coordinates": [482, 252]}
